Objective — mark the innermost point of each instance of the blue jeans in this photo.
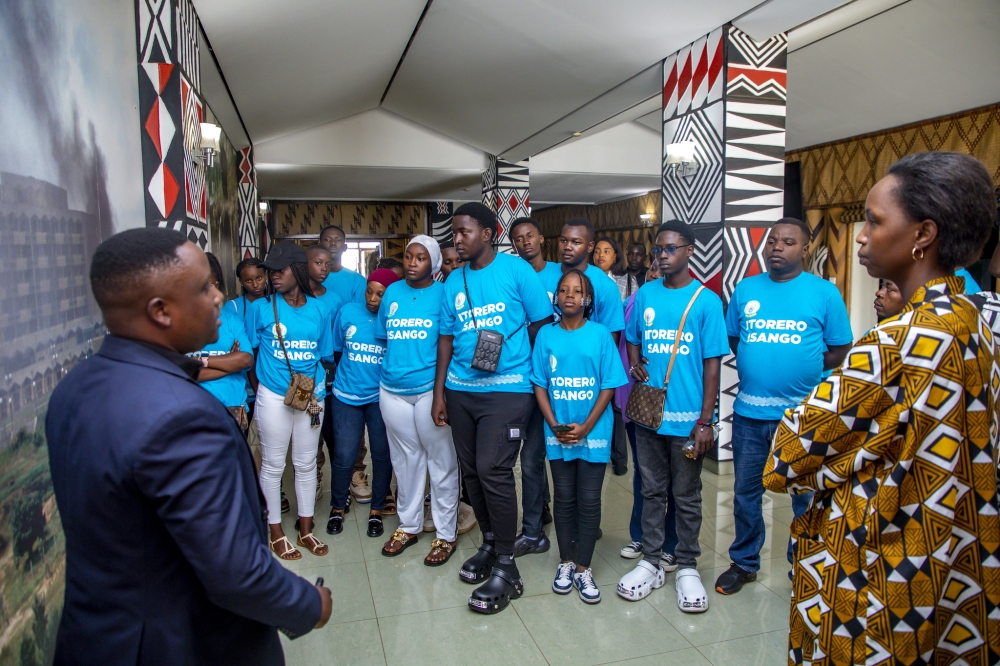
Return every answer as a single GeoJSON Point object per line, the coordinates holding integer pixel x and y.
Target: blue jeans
{"type": "Point", "coordinates": [348, 428]}
{"type": "Point", "coordinates": [800, 504]}
{"type": "Point", "coordinates": [635, 524]}
{"type": "Point", "coordinates": [751, 447]}
{"type": "Point", "coordinates": [534, 480]}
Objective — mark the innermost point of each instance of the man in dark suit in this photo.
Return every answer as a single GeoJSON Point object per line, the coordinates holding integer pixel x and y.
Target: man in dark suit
{"type": "Point", "coordinates": [166, 553]}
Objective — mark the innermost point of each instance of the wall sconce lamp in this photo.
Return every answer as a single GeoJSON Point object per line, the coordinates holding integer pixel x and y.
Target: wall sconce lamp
{"type": "Point", "coordinates": [647, 219]}
{"type": "Point", "coordinates": [210, 141]}
{"type": "Point", "coordinates": [682, 156]}
{"type": "Point", "coordinates": [262, 207]}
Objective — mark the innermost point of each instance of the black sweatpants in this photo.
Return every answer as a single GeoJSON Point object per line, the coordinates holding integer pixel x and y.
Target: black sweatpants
{"type": "Point", "coordinates": [487, 429]}
{"type": "Point", "coordinates": [576, 493]}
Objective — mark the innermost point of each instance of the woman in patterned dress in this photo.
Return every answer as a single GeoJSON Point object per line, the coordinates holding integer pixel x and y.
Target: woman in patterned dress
{"type": "Point", "coordinates": [898, 559]}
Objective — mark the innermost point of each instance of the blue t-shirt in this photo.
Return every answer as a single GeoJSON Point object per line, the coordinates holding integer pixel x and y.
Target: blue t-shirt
{"type": "Point", "coordinates": [506, 295]}
{"type": "Point", "coordinates": [574, 367]}
{"type": "Point", "coordinates": [361, 364]}
{"type": "Point", "coordinates": [241, 306]}
{"type": "Point", "coordinates": [306, 332]}
{"type": "Point", "coordinates": [347, 284]}
{"type": "Point", "coordinates": [608, 307]}
{"type": "Point", "coordinates": [333, 301]}
{"type": "Point", "coordinates": [971, 286]}
{"type": "Point", "coordinates": [784, 328]}
{"type": "Point", "coordinates": [653, 326]}
{"type": "Point", "coordinates": [408, 321]}
{"type": "Point", "coordinates": [231, 389]}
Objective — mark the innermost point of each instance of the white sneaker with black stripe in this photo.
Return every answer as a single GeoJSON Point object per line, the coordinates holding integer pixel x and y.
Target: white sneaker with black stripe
{"type": "Point", "coordinates": [632, 551]}
{"type": "Point", "coordinates": [668, 562]}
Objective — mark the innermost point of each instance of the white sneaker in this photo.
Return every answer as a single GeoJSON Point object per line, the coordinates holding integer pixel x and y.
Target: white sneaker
{"type": "Point", "coordinates": [691, 596]}
{"type": "Point", "coordinates": [359, 487]}
{"type": "Point", "coordinates": [632, 551]}
{"type": "Point", "coordinates": [638, 583]}
{"type": "Point", "coordinates": [428, 519]}
{"type": "Point", "coordinates": [466, 518]}
{"type": "Point", "coordinates": [563, 584]}
{"type": "Point", "coordinates": [668, 562]}
{"type": "Point", "coordinates": [584, 582]}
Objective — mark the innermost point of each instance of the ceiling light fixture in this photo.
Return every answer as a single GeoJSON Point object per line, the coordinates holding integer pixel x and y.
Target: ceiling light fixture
{"type": "Point", "coordinates": [210, 141]}
{"type": "Point", "coordinates": [577, 134]}
{"type": "Point", "coordinates": [682, 156]}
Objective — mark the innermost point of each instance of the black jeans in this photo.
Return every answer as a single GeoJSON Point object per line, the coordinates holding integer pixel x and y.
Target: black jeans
{"type": "Point", "coordinates": [576, 491]}
{"type": "Point", "coordinates": [534, 480]}
{"type": "Point", "coordinates": [483, 426]}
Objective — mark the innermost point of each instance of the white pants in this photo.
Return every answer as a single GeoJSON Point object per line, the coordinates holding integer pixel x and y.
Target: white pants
{"type": "Point", "coordinates": [418, 448]}
{"type": "Point", "coordinates": [279, 424]}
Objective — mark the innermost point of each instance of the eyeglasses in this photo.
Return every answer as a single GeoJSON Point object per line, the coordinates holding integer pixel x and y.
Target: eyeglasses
{"type": "Point", "coordinates": [671, 250]}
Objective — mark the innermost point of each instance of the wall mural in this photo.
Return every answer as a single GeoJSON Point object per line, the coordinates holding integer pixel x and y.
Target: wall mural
{"type": "Point", "coordinates": [375, 219]}
{"type": "Point", "coordinates": [505, 191]}
{"type": "Point", "coordinates": [70, 176]}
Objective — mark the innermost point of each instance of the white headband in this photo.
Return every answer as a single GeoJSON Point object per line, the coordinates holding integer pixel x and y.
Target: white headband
{"type": "Point", "coordinates": [432, 248]}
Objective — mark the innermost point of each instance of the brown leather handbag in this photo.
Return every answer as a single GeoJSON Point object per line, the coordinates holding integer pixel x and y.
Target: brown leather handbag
{"type": "Point", "coordinates": [300, 387]}
{"type": "Point", "coordinates": [645, 403]}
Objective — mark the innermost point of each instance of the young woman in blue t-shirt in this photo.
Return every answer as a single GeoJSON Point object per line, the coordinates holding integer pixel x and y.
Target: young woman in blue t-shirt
{"type": "Point", "coordinates": [354, 404]}
{"type": "Point", "coordinates": [409, 321]}
{"type": "Point", "coordinates": [293, 344]}
{"type": "Point", "coordinates": [575, 369]}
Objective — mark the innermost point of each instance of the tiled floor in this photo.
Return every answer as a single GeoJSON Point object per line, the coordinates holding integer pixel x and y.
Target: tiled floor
{"type": "Point", "coordinates": [398, 611]}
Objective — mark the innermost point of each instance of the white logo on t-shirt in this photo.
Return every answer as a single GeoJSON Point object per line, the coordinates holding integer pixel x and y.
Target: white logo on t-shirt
{"type": "Point", "coordinates": [279, 328]}
{"type": "Point", "coordinates": [552, 362]}
{"type": "Point", "coordinates": [459, 301]}
{"type": "Point", "coordinates": [351, 330]}
{"type": "Point", "coordinates": [648, 316]}
{"type": "Point", "coordinates": [751, 308]}
{"type": "Point", "coordinates": [393, 307]}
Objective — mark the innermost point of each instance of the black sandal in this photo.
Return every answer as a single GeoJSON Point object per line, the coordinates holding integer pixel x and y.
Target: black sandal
{"type": "Point", "coordinates": [375, 528]}
{"type": "Point", "coordinates": [476, 569]}
{"type": "Point", "coordinates": [496, 593]}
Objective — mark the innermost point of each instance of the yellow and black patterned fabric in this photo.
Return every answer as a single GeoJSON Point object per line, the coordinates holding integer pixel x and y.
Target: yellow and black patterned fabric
{"type": "Point", "coordinates": [898, 559]}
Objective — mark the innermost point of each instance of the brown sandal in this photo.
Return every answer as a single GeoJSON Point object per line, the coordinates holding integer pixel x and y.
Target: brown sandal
{"type": "Point", "coordinates": [398, 542]}
{"type": "Point", "coordinates": [287, 553]}
{"type": "Point", "coordinates": [390, 506]}
{"type": "Point", "coordinates": [315, 546]}
{"type": "Point", "coordinates": [439, 546]}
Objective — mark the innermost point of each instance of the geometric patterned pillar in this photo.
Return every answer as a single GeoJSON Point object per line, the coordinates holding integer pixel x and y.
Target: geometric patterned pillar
{"type": "Point", "coordinates": [249, 210]}
{"type": "Point", "coordinates": [726, 93]}
{"type": "Point", "coordinates": [170, 112]}
{"type": "Point", "coordinates": [439, 215]}
{"type": "Point", "coordinates": [505, 191]}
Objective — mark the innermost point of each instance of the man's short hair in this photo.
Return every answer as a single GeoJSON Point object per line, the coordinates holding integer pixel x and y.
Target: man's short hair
{"type": "Point", "coordinates": [956, 191]}
{"type": "Point", "coordinates": [481, 213]}
{"type": "Point", "coordinates": [796, 222]}
{"type": "Point", "coordinates": [680, 228]}
{"type": "Point", "coordinates": [581, 222]}
{"type": "Point", "coordinates": [525, 220]}
{"type": "Point", "coordinates": [335, 228]}
{"type": "Point", "coordinates": [319, 247]}
{"type": "Point", "coordinates": [447, 245]}
{"type": "Point", "coordinates": [389, 262]}
{"type": "Point", "coordinates": [637, 244]}
{"type": "Point", "coordinates": [121, 263]}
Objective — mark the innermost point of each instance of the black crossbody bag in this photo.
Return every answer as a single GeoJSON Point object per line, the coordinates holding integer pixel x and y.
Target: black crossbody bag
{"type": "Point", "coordinates": [489, 343]}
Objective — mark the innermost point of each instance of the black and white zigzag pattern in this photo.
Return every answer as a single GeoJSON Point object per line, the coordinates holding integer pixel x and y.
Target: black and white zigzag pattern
{"type": "Point", "coordinates": [743, 86]}
{"type": "Point", "coordinates": [707, 258]}
{"type": "Point", "coordinates": [740, 252]}
{"type": "Point", "coordinates": [490, 183]}
{"type": "Point", "coordinates": [156, 30]}
{"type": "Point", "coordinates": [248, 220]}
{"type": "Point", "coordinates": [729, 386]}
{"type": "Point", "coordinates": [698, 198]}
{"type": "Point", "coordinates": [510, 174]}
{"type": "Point", "coordinates": [439, 216]}
{"type": "Point", "coordinates": [755, 162]}
{"type": "Point", "coordinates": [758, 54]}
{"type": "Point", "coordinates": [188, 54]}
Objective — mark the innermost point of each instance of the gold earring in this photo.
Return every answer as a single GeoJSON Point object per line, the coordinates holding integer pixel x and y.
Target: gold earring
{"type": "Point", "coordinates": [913, 253]}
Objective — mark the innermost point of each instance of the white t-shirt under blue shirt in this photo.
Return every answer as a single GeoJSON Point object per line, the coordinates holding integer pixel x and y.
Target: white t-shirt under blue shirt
{"type": "Point", "coordinates": [361, 364]}
{"type": "Point", "coordinates": [306, 332]}
{"type": "Point", "coordinates": [653, 326]}
{"type": "Point", "coordinates": [784, 328]}
{"type": "Point", "coordinates": [506, 295]}
{"type": "Point", "coordinates": [229, 389]}
{"type": "Point", "coordinates": [347, 284]}
{"type": "Point", "coordinates": [408, 321]}
{"type": "Point", "coordinates": [608, 307]}
{"type": "Point", "coordinates": [574, 367]}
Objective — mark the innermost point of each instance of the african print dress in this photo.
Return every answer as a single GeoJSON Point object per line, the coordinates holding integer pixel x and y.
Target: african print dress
{"type": "Point", "coordinates": [898, 559]}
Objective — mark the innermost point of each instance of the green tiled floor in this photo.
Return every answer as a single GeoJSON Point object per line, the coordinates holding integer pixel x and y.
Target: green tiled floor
{"type": "Point", "coordinates": [398, 611]}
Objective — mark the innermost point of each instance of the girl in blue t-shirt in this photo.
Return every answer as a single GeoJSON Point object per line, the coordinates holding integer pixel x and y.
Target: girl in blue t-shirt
{"type": "Point", "coordinates": [354, 404]}
{"type": "Point", "coordinates": [409, 322]}
{"type": "Point", "coordinates": [290, 330]}
{"type": "Point", "coordinates": [575, 370]}
{"type": "Point", "coordinates": [226, 360]}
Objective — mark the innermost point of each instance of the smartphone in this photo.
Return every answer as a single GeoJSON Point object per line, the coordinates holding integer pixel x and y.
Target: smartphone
{"type": "Point", "coordinates": [561, 428]}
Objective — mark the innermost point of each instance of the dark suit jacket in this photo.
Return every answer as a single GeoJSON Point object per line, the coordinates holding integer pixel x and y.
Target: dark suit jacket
{"type": "Point", "coordinates": [166, 554]}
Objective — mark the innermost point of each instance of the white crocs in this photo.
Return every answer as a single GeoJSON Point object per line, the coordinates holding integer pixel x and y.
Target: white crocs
{"type": "Point", "coordinates": [691, 596]}
{"type": "Point", "coordinates": [638, 583]}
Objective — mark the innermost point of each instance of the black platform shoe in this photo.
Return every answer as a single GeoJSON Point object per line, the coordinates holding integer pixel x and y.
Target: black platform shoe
{"type": "Point", "coordinates": [476, 569]}
{"type": "Point", "coordinates": [375, 528]}
{"type": "Point", "coordinates": [336, 523]}
{"type": "Point", "coordinates": [525, 546]}
{"type": "Point", "coordinates": [496, 593]}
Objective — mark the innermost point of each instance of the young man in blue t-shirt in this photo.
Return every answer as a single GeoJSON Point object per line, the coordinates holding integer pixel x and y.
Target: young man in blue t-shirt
{"type": "Point", "coordinates": [676, 328]}
{"type": "Point", "coordinates": [535, 513]}
{"type": "Point", "coordinates": [493, 303]}
{"type": "Point", "coordinates": [786, 328]}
